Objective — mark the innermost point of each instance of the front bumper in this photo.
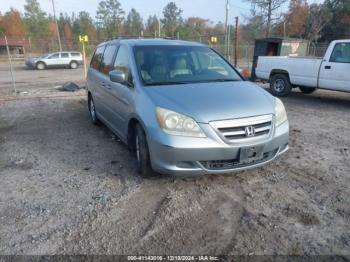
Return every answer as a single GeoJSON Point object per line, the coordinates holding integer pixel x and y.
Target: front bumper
{"type": "Point", "coordinates": [30, 64]}
{"type": "Point", "coordinates": [188, 156]}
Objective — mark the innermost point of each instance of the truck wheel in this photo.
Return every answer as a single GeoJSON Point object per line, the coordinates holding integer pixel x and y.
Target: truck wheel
{"type": "Point", "coordinates": [142, 154]}
{"type": "Point", "coordinates": [40, 66]}
{"type": "Point", "coordinates": [307, 90]}
{"type": "Point", "coordinates": [73, 65]}
{"type": "Point", "coordinates": [280, 85]}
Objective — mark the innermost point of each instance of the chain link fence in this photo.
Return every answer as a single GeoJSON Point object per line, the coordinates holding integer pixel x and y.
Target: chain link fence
{"type": "Point", "coordinates": [22, 49]}
{"type": "Point", "coordinates": [31, 47]}
{"type": "Point", "coordinates": [317, 50]}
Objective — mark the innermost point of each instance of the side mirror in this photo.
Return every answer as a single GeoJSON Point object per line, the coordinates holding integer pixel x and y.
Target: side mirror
{"type": "Point", "coordinates": [117, 76]}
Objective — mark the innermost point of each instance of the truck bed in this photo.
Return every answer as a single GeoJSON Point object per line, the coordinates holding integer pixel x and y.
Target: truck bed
{"type": "Point", "coordinates": [302, 70]}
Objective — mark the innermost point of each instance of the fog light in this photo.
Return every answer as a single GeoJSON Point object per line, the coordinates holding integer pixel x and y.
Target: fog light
{"type": "Point", "coordinates": [185, 164]}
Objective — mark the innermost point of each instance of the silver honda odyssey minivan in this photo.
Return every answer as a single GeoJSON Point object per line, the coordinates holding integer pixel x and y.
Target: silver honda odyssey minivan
{"type": "Point", "coordinates": [182, 108]}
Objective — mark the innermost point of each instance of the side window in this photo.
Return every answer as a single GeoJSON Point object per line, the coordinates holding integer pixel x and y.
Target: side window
{"type": "Point", "coordinates": [97, 58]}
{"type": "Point", "coordinates": [64, 55]}
{"type": "Point", "coordinates": [108, 58]}
{"type": "Point", "coordinates": [341, 53]}
{"type": "Point", "coordinates": [122, 61]}
{"type": "Point", "coordinates": [54, 56]}
{"type": "Point", "coordinates": [75, 54]}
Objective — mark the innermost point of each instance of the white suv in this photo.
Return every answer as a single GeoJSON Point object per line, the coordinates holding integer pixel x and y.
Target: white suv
{"type": "Point", "coordinates": [60, 59]}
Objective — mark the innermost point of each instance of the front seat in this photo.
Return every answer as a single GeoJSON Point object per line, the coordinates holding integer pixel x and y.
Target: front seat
{"type": "Point", "coordinates": [159, 71]}
{"type": "Point", "coordinates": [180, 68]}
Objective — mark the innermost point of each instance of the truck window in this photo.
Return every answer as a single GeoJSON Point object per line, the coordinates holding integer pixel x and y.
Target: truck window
{"type": "Point", "coordinates": [341, 53]}
{"type": "Point", "coordinates": [97, 58]}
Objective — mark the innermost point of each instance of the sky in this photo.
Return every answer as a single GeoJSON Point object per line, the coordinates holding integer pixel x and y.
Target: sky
{"type": "Point", "coordinates": [213, 10]}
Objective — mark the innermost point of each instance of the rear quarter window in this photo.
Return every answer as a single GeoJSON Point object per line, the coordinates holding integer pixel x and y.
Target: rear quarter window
{"type": "Point", "coordinates": [75, 54]}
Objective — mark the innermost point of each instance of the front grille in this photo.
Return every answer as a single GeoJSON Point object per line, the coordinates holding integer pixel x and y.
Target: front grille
{"type": "Point", "coordinates": [234, 163]}
{"type": "Point", "coordinates": [234, 130]}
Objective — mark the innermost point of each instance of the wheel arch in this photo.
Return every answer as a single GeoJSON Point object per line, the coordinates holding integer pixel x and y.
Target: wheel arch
{"type": "Point", "coordinates": [40, 62]}
{"type": "Point", "coordinates": [131, 132]}
{"type": "Point", "coordinates": [279, 72]}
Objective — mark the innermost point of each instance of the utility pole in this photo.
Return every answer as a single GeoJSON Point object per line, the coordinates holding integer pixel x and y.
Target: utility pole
{"type": "Point", "coordinates": [269, 14]}
{"type": "Point", "coordinates": [236, 40]}
{"type": "Point", "coordinates": [57, 29]}
{"type": "Point", "coordinates": [229, 42]}
{"type": "Point", "coordinates": [159, 33]}
{"type": "Point", "coordinates": [226, 31]}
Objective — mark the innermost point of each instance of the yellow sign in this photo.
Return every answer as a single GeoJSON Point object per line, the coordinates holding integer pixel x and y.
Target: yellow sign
{"type": "Point", "coordinates": [214, 39]}
{"type": "Point", "coordinates": [83, 38]}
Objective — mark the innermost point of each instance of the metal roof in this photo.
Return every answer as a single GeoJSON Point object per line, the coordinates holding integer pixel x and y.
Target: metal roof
{"type": "Point", "coordinates": [13, 42]}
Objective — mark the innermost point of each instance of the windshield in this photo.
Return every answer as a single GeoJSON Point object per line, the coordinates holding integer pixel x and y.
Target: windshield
{"type": "Point", "coordinates": [168, 65]}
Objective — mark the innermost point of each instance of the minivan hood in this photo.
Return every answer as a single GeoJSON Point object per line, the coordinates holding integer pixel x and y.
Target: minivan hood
{"type": "Point", "coordinates": [206, 102]}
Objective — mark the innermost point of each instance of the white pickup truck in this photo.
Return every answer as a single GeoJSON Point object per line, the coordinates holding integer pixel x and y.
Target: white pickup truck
{"type": "Point", "coordinates": [331, 72]}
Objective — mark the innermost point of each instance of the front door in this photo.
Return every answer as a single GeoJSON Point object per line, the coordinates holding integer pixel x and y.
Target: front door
{"type": "Point", "coordinates": [334, 74]}
{"type": "Point", "coordinates": [53, 60]}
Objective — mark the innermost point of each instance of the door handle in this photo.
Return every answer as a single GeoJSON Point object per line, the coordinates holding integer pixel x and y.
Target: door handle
{"type": "Point", "coordinates": [327, 67]}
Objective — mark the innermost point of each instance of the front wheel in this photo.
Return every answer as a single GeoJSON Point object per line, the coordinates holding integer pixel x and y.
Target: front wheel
{"type": "Point", "coordinates": [142, 154]}
{"type": "Point", "coordinates": [307, 90]}
{"type": "Point", "coordinates": [280, 85]}
{"type": "Point", "coordinates": [40, 66]}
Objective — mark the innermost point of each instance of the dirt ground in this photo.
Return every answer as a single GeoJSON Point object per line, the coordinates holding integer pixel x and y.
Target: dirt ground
{"type": "Point", "coordinates": [68, 187]}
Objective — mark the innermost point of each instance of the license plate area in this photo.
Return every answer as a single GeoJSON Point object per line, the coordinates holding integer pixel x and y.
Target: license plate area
{"type": "Point", "coordinates": [250, 154]}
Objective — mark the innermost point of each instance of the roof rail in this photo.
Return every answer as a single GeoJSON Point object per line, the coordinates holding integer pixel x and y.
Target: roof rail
{"type": "Point", "coordinates": [137, 37]}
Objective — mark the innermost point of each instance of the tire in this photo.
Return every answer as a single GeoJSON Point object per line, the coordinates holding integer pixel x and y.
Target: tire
{"type": "Point", "coordinates": [142, 154]}
{"type": "Point", "coordinates": [307, 90]}
{"type": "Point", "coordinates": [280, 85]}
{"type": "Point", "coordinates": [92, 110]}
{"type": "Point", "coordinates": [40, 66]}
{"type": "Point", "coordinates": [73, 65]}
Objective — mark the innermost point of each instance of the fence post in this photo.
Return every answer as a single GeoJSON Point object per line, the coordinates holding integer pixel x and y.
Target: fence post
{"type": "Point", "coordinates": [11, 68]}
{"type": "Point", "coordinates": [84, 60]}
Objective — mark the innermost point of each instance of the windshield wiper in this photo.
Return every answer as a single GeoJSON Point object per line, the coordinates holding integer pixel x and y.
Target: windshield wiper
{"type": "Point", "coordinates": [165, 83]}
{"type": "Point", "coordinates": [222, 80]}
{"type": "Point", "coordinates": [215, 80]}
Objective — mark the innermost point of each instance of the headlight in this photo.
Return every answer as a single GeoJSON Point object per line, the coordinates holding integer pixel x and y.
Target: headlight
{"type": "Point", "coordinates": [280, 112]}
{"type": "Point", "coordinates": [177, 124]}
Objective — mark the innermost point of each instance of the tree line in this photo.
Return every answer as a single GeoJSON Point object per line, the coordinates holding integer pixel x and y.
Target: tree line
{"type": "Point", "coordinates": [316, 22]}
